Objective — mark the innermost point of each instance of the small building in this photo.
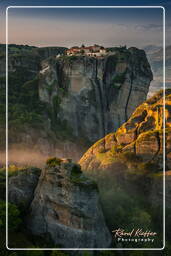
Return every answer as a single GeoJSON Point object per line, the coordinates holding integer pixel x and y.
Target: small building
{"type": "Point", "coordinates": [103, 50]}
{"type": "Point", "coordinates": [73, 50]}
{"type": "Point", "coordinates": [95, 51]}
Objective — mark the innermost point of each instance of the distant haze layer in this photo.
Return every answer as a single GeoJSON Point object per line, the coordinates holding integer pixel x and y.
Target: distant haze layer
{"type": "Point", "coordinates": [67, 27]}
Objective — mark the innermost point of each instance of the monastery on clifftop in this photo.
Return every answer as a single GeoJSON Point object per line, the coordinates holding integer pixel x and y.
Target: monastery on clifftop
{"type": "Point", "coordinates": [94, 51]}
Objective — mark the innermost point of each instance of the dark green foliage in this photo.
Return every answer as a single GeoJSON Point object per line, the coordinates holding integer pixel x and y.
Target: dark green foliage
{"type": "Point", "coordinates": [125, 204]}
{"type": "Point", "coordinates": [56, 105]}
{"type": "Point", "coordinates": [2, 183]}
{"type": "Point", "coordinates": [13, 170]}
{"type": "Point", "coordinates": [76, 170]}
{"type": "Point", "coordinates": [52, 162]}
{"type": "Point", "coordinates": [45, 52]}
{"type": "Point", "coordinates": [14, 219]}
{"type": "Point", "coordinates": [117, 49]}
{"type": "Point", "coordinates": [70, 58]}
{"type": "Point", "coordinates": [2, 80]}
{"type": "Point", "coordinates": [76, 176]}
{"type": "Point", "coordinates": [149, 166]}
{"type": "Point", "coordinates": [24, 106]}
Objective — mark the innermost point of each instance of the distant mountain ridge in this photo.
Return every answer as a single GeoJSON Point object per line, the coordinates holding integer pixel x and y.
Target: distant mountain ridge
{"type": "Point", "coordinates": [150, 49]}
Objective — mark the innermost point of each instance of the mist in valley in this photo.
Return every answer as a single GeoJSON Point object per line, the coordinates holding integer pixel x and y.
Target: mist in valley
{"type": "Point", "coordinates": [25, 157]}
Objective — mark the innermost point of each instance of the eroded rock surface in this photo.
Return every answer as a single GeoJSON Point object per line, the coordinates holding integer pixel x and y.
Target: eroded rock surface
{"type": "Point", "coordinates": [134, 153]}
{"type": "Point", "coordinates": [141, 135]}
{"type": "Point", "coordinates": [94, 96]}
{"type": "Point", "coordinates": [66, 208]}
{"type": "Point", "coordinates": [22, 185]}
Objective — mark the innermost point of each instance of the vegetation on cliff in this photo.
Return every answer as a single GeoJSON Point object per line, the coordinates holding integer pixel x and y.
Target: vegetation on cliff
{"type": "Point", "coordinates": [121, 163]}
{"type": "Point", "coordinates": [138, 141]}
{"type": "Point", "coordinates": [128, 167]}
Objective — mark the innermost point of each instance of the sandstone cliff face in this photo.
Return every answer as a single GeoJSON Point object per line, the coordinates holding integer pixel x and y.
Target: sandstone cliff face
{"type": "Point", "coordinates": [141, 135]}
{"type": "Point", "coordinates": [94, 96]}
{"type": "Point", "coordinates": [66, 208]}
{"type": "Point", "coordinates": [134, 153]}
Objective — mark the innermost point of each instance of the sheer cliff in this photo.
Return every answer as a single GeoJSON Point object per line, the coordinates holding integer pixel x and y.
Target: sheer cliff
{"type": "Point", "coordinates": [94, 96]}
{"type": "Point", "coordinates": [63, 104]}
{"type": "Point", "coordinates": [129, 167]}
{"type": "Point", "coordinates": [134, 153]}
{"type": "Point", "coordinates": [141, 135]}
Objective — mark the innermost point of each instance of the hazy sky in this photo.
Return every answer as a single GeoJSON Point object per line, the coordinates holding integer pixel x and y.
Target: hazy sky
{"type": "Point", "coordinates": [67, 27]}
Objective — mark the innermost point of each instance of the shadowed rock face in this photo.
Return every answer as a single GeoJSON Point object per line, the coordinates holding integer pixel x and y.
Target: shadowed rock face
{"type": "Point", "coordinates": [21, 187]}
{"type": "Point", "coordinates": [66, 208]}
{"type": "Point", "coordinates": [141, 135]}
{"type": "Point", "coordinates": [94, 96]}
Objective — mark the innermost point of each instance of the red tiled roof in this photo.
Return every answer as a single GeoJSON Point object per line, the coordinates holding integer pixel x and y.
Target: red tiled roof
{"type": "Point", "coordinates": [76, 48]}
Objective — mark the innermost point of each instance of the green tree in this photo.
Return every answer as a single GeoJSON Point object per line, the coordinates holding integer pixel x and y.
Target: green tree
{"type": "Point", "coordinates": [14, 219]}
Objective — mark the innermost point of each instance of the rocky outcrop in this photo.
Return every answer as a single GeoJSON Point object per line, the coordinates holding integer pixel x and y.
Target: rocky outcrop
{"type": "Point", "coordinates": [46, 52]}
{"type": "Point", "coordinates": [94, 96]}
{"type": "Point", "coordinates": [26, 57]}
{"type": "Point", "coordinates": [133, 155]}
{"type": "Point", "coordinates": [61, 204]}
{"type": "Point", "coordinates": [141, 136]}
{"type": "Point", "coordinates": [22, 185]}
{"type": "Point", "coordinates": [82, 98]}
{"type": "Point", "coordinates": [66, 208]}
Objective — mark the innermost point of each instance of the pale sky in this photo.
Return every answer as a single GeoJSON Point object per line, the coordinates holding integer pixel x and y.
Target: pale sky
{"type": "Point", "coordinates": [68, 27]}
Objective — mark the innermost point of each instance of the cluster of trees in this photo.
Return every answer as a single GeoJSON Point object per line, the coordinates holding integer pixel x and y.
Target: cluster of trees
{"type": "Point", "coordinates": [24, 105]}
{"type": "Point", "coordinates": [126, 206]}
{"type": "Point", "coordinates": [122, 208]}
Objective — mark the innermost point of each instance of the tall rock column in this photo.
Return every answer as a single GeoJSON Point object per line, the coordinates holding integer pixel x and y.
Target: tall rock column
{"type": "Point", "coordinates": [66, 208]}
{"type": "Point", "coordinates": [98, 94]}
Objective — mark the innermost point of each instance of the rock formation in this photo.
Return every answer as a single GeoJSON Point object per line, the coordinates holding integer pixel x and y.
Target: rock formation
{"type": "Point", "coordinates": [22, 185]}
{"type": "Point", "coordinates": [141, 135]}
{"type": "Point", "coordinates": [134, 153]}
{"type": "Point", "coordinates": [73, 102]}
{"type": "Point", "coordinates": [94, 96]}
{"type": "Point", "coordinates": [65, 206]}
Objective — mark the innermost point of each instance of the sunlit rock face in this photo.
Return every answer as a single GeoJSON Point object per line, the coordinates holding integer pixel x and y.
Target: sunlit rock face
{"type": "Point", "coordinates": [134, 153]}
{"type": "Point", "coordinates": [66, 208]}
{"type": "Point", "coordinates": [141, 135]}
{"type": "Point", "coordinates": [94, 96]}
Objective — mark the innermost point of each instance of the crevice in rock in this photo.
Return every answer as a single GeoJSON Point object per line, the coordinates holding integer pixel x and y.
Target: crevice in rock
{"type": "Point", "coordinates": [129, 94]}
{"type": "Point", "coordinates": [159, 145]}
{"type": "Point", "coordinates": [136, 136]}
{"type": "Point", "coordinates": [101, 105]}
